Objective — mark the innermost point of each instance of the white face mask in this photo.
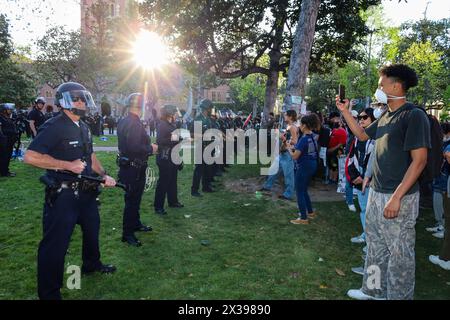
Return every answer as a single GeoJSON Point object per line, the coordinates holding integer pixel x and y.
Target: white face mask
{"type": "Point", "coordinates": [446, 138]}
{"type": "Point", "coordinates": [383, 97]}
{"type": "Point", "coordinates": [377, 113]}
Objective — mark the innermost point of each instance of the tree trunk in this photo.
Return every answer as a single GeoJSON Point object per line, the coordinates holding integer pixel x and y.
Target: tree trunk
{"type": "Point", "coordinates": [271, 91]}
{"type": "Point", "coordinates": [275, 58]}
{"type": "Point", "coordinates": [301, 49]}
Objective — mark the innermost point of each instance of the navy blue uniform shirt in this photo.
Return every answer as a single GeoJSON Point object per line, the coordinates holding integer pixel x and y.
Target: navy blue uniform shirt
{"type": "Point", "coordinates": [164, 139]}
{"type": "Point", "coordinates": [8, 127]}
{"type": "Point", "coordinates": [134, 142]}
{"type": "Point", "coordinates": [38, 117]}
{"type": "Point", "coordinates": [63, 139]}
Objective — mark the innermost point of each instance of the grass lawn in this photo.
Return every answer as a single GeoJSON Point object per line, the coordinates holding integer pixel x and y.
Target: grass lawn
{"type": "Point", "coordinates": [111, 142]}
{"type": "Point", "coordinates": [254, 252]}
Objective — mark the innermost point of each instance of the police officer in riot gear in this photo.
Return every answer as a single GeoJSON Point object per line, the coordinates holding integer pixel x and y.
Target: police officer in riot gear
{"type": "Point", "coordinates": [168, 170]}
{"type": "Point", "coordinates": [202, 171]}
{"type": "Point", "coordinates": [134, 149]}
{"type": "Point", "coordinates": [36, 117]}
{"type": "Point", "coordinates": [63, 146]}
{"type": "Point", "coordinates": [10, 136]}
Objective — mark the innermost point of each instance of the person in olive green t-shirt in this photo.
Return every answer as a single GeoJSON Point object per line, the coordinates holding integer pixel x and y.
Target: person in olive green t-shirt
{"type": "Point", "coordinates": [402, 141]}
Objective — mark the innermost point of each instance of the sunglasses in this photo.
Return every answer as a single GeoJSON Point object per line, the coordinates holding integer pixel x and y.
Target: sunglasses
{"type": "Point", "coordinates": [365, 117]}
{"type": "Point", "coordinates": [78, 98]}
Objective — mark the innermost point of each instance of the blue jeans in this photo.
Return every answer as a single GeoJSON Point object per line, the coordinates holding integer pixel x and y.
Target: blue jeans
{"type": "Point", "coordinates": [362, 200]}
{"type": "Point", "coordinates": [287, 166]}
{"type": "Point", "coordinates": [303, 175]}
{"type": "Point", "coordinates": [348, 193]}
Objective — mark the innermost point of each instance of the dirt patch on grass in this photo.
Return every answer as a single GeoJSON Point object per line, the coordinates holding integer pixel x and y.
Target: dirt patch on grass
{"type": "Point", "coordinates": [318, 191]}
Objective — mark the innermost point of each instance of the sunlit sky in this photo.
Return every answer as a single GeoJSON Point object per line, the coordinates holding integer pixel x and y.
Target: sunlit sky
{"type": "Point", "coordinates": [29, 19]}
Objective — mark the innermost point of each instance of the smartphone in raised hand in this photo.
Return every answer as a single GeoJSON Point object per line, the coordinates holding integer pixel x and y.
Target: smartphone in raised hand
{"type": "Point", "coordinates": [341, 93]}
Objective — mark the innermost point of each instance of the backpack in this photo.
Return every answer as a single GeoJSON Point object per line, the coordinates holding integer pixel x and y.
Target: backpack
{"type": "Point", "coordinates": [434, 161]}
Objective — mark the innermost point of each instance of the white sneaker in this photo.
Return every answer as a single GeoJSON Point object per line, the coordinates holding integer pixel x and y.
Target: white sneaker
{"type": "Point", "coordinates": [439, 235]}
{"type": "Point", "coordinates": [359, 295]}
{"type": "Point", "coordinates": [352, 207]}
{"type": "Point", "coordinates": [358, 270]}
{"type": "Point", "coordinates": [358, 239]}
{"type": "Point", "coordinates": [435, 229]}
{"type": "Point", "coordinates": [439, 262]}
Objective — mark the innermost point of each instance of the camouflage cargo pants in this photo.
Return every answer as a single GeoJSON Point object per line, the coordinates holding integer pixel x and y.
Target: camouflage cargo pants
{"type": "Point", "coordinates": [389, 271]}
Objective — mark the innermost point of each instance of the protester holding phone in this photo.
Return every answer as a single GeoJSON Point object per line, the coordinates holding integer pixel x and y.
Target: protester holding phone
{"type": "Point", "coordinates": [286, 165]}
{"type": "Point", "coordinates": [306, 156]}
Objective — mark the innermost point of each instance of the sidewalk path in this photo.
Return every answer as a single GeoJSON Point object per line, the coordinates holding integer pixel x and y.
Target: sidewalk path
{"type": "Point", "coordinates": [106, 149]}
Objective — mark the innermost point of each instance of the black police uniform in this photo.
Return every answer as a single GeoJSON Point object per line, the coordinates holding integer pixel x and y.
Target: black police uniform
{"type": "Point", "coordinates": [10, 134]}
{"type": "Point", "coordinates": [63, 139]}
{"type": "Point", "coordinates": [223, 125]}
{"type": "Point", "coordinates": [38, 117]}
{"type": "Point", "coordinates": [202, 171]}
{"type": "Point", "coordinates": [3, 141]}
{"type": "Point", "coordinates": [134, 149]}
{"type": "Point", "coordinates": [215, 169]}
{"type": "Point", "coordinates": [168, 171]}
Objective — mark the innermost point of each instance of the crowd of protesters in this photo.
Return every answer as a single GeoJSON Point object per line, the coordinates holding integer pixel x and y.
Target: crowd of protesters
{"type": "Point", "coordinates": [395, 155]}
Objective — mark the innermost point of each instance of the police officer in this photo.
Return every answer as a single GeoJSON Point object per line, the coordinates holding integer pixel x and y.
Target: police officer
{"type": "Point", "coordinates": [36, 117]}
{"type": "Point", "coordinates": [201, 171]}
{"type": "Point", "coordinates": [3, 142]}
{"type": "Point", "coordinates": [134, 150]}
{"type": "Point", "coordinates": [224, 126]}
{"type": "Point", "coordinates": [168, 170]}
{"type": "Point", "coordinates": [215, 168]}
{"type": "Point", "coordinates": [63, 146]}
{"type": "Point", "coordinates": [10, 134]}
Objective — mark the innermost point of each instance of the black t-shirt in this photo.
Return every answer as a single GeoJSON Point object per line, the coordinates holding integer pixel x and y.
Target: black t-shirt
{"type": "Point", "coordinates": [324, 137]}
{"type": "Point", "coordinates": [63, 139]}
{"type": "Point", "coordinates": [38, 117]}
{"type": "Point", "coordinates": [397, 134]}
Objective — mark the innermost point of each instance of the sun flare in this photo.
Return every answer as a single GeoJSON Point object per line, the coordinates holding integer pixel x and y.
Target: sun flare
{"type": "Point", "coordinates": [150, 51]}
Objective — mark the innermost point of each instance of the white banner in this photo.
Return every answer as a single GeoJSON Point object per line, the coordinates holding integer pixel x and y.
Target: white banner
{"type": "Point", "coordinates": [342, 178]}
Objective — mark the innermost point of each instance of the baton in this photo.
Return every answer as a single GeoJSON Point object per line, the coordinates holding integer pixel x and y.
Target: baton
{"type": "Point", "coordinates": [94, 179]}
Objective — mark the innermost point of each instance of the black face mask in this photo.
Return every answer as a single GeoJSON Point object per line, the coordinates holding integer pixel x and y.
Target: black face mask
{"type": "Point", "coordinates": [334, 125]}
{"type": "Point", "coordinates": [78, 112]}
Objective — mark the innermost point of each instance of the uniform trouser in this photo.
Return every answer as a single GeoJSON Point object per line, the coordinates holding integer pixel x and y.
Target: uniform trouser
{"type": "Point", "coordinates": [5, 157]}
{"type": "Point", "coordinates": [445, 254]}
{"type": "Point", "coordinates": [134, 179]}
{"type": "Point", "coordinates": [201, 172]}
{"type": "Point", "coordinates": [58, 224]}
{"type": "Point", "coordinates": [167, 184]}
{"type": "Point", "coordinates": [391, 248]}
{"type": "Point", "coordinates": [438, 207]}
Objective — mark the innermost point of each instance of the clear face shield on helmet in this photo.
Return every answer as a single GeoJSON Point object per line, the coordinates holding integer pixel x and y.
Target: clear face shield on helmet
{"type": "Point", "coordinates": [78, 100]}
{"type": "Point", "coordinates": [7, 108]}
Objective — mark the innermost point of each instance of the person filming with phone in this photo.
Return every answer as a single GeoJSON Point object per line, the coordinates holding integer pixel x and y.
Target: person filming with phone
{"type": "Point", "coordinates": [402, 137]}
